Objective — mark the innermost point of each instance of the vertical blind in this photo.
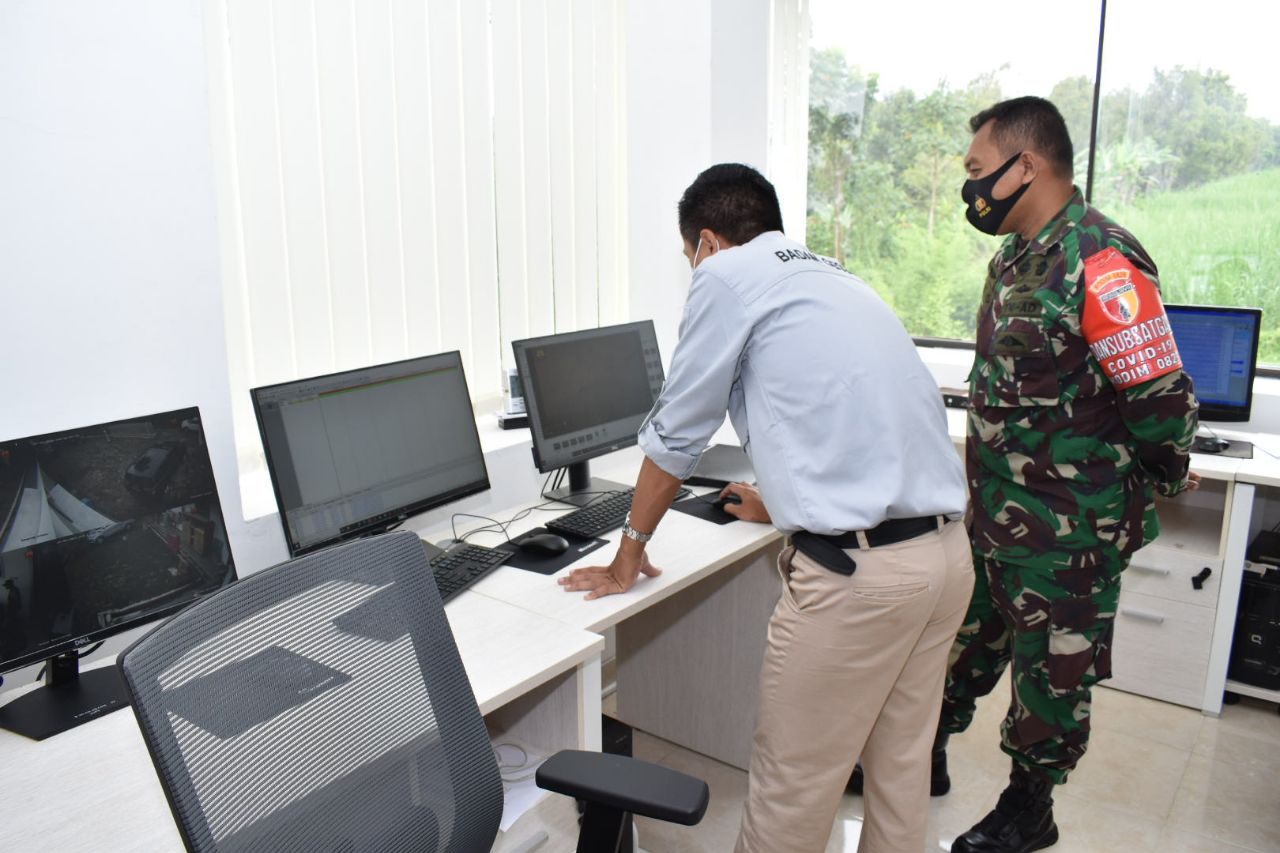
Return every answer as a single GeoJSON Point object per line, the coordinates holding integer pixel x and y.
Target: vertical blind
{"type": "Point", "coordinates": [403, 177]}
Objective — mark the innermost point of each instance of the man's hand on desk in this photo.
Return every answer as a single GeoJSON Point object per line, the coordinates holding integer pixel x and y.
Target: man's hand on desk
{"type": "Point", "coordinates": [618, 576]}
{"type": "Point", "coordinates": [1193, 481]}
{"type": "Point", "coordinates": [752, 507]}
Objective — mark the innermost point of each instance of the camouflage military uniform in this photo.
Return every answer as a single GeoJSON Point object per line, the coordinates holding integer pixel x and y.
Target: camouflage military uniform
{"type": "Point", "coordinates": [1062, 471]}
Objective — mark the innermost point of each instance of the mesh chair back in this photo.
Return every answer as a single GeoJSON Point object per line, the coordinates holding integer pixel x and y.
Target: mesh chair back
{"type": "Point", "coordinates": [319, 705]}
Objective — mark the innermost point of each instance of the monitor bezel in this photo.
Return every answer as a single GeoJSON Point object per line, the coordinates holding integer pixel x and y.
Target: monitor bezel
{"type": "Point", "coordinates": [79, 642]}
{"type": "Point", "coordinates": [544, 461]}
{"type": "Point", "coordinates": [1219, 412]}
{"type": "Point", "coordinates": [400, 514]}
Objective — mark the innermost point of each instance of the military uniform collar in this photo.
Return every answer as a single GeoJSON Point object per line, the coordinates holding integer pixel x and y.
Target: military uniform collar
{"type": "Point", "coordinates": [1057, 228]}
{"type": "Point", "coordinates": [1051, 235]}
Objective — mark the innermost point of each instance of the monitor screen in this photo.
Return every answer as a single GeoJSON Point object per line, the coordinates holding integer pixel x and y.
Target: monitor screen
{"type": "Point", "coordinates": [1219, 350]}
{"type": "Point", "coordinates": [588, 392]}
{"type": "Point", "coordinates": [104, 528]}
{"type": "Point", "coordinates": [353, 453]}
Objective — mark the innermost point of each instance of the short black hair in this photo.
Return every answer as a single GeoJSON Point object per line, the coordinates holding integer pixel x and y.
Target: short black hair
{"type": "Point", "coordinates": [1030, 123]}
{"type": "Point", "coordinates": [730, 199]}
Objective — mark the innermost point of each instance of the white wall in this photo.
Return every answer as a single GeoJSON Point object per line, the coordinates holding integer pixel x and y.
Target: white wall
{"type": "Point", "coordinates": [108, 248]}
{"type": "Point", "coordinates": [707, 82]}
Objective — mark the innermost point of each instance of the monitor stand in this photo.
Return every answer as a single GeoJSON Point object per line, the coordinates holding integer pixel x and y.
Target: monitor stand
{"type": "Point", "coordinates": [69, 698]}
{"type": "Point", "coordinates": [583, 488]}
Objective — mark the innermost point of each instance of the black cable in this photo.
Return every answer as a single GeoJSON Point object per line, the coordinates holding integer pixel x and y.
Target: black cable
{"type": "Point", "coordinates": [1097, 98]}
{"type": "Point", "coordinates": [80, 655]}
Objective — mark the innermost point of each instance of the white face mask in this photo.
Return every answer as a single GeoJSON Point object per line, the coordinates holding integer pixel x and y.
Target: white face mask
{"type": "Point", "coordinates": [694, 263]}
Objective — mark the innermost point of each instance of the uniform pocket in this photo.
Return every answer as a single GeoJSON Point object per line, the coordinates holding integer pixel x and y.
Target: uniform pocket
{"type": "Point", "coordinates": [1020, 380]}
{"type": "Point", "coordinates": [1016, 367]}
{"type": "Point", "coordinates": [1079, 647]}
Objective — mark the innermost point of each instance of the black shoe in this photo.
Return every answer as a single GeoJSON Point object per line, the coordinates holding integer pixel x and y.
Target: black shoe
{"type": "Point", "coordinates": [939, 781]}
{"type": "Point", "coordinates": [1021, 822]}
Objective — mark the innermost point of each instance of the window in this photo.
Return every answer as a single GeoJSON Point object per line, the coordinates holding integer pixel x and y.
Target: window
{"type": "Point", "coordinates": [1188, 154]}
{"type": "Point", "coordinates": [393, 175]}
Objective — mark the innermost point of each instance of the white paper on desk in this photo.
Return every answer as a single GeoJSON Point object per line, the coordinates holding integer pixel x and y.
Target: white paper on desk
{"type": "Point", "coordinates": [517, 764]}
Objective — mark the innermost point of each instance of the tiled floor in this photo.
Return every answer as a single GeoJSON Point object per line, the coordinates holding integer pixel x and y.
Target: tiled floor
{"type": "Point", "coordinates": [1158, 777]}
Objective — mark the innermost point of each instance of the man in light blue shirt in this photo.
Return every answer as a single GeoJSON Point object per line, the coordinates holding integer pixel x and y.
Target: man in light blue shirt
{"type": "Point", "coordinates": [847, 435]}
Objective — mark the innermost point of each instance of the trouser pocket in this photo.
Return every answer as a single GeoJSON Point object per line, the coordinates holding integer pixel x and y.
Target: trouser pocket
{"type": "Point", "coordinates": [1081, 629]}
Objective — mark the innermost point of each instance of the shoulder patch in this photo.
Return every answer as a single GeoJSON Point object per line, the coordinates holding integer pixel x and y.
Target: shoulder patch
{"type": "Point", "coordinates": [1124, 321]}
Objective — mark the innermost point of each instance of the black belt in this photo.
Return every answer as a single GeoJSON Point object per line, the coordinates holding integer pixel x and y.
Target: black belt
{"type": "Point", "coordinates": [829, 550]}
{"type": "Point", "coordinates": [889, 532]}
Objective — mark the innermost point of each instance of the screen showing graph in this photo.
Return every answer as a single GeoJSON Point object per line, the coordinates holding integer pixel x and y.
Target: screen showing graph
{"type": "Point", "coordinates": [354, 452]}
{"type": "Point", "coordinates": [1219, 348]}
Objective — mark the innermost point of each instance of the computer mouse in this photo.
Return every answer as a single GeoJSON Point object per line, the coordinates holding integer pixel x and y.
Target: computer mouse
{"type": "Point", "coordinates": [1212, 445]}
{"type": "Point", "coordinates": [728, 499]}
{"type": "Point", "coordinates": [546, 544]}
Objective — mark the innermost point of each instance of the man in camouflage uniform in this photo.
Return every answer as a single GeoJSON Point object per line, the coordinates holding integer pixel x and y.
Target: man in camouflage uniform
{"type": "Point", "coordinates": [1065, 454]}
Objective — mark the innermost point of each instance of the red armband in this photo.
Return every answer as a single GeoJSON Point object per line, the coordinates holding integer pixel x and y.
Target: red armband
{"type": "Point", "coordinates": [1124, 321]}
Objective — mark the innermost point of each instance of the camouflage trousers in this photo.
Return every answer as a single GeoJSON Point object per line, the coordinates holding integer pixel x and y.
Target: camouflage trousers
{"type": "Point", "coordinates": [1055, 625]}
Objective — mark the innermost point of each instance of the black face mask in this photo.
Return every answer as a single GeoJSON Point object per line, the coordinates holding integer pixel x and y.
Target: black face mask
{"type": "Point", "coordinates": [986, 212]}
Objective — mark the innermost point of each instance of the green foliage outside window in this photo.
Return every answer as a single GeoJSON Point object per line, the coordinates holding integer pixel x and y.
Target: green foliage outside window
{"type": "Point", "coordinates": [1180, 164]}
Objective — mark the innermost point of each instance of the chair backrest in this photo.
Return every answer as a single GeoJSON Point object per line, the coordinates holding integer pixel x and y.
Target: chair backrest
{"type": "Point", "coordinates": [319, 705]}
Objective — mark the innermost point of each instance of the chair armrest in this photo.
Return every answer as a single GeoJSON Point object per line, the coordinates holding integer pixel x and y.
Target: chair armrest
{"type": "Point", "coordinates": [626, 784]}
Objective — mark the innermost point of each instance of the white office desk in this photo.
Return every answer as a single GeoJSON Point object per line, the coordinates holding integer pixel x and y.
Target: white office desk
{"type": "Point", "coordinates": [94, 788]}
{"type": "Point", "coordinates": [690, 641]}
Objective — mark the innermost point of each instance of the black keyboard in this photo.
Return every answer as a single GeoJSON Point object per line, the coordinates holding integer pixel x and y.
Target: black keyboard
{"type": "Point", "coordinates": [604, 514]}
{"type": "Point", "coordinates": [463, 565]}
{"type": "Point", "coordinates": [600, 516]}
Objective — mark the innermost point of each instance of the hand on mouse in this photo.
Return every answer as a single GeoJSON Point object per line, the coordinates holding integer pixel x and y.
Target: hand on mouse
{"type": "Point", "coordinates": [618, 576]}
{"type": "Point", "coordinates": [752, 506]}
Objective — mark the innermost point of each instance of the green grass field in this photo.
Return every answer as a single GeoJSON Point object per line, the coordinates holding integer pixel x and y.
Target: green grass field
{"type": "Point", "coordinates": [1218, 244]}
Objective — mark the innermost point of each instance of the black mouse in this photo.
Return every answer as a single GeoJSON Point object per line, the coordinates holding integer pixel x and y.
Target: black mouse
{"type": "Point", "coordinates": [546, 544]}
{"type": "Point", "coordinates": [728, 499]}
{"type": "Point", "coordinates": [1212, 445]}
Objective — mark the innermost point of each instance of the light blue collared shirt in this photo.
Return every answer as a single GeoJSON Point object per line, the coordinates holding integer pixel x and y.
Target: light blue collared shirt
{"type": "Point", "coordinates": [844, 424]}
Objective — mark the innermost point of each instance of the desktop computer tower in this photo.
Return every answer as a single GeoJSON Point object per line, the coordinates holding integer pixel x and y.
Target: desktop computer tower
{"type": "Point", "coordinates": [1255, 653]}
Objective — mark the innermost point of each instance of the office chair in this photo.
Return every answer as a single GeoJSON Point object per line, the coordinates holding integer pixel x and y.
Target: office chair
{"type": "Point", "coordinates": [321, 705]}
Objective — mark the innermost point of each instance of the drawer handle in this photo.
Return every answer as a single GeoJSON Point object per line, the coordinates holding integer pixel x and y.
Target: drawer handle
{"type": "Point", "coordinates": [1198, 580]}
{"type": "Point", "coordinates": [1151, 570]}
{"type": "Point", "coordinates": [1144, 615]}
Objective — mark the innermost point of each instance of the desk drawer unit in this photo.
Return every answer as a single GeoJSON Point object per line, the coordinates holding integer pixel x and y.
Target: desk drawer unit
{"type": "Point", "coordinates": [1161, 648]}
{"type": "Point", "coordinates": [1169, 574]}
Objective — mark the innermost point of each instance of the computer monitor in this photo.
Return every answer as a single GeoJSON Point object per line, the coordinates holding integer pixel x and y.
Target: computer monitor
{"type": "Point", "coordinates": [587, 393]}
{"type": "Point", "coordinates": [104, 528]}
{"type": "Point", "coordinates": [1219, 350]}
{"type": "Point", "coordinates": [355, 453]}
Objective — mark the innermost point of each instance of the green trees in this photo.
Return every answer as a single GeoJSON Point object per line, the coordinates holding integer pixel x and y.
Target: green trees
{"type": "Point", "coordinates": [1181, 164]}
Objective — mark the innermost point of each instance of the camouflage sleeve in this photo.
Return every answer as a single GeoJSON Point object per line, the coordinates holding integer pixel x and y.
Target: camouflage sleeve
{"type": "Point", "coordinates": [1161, 415]}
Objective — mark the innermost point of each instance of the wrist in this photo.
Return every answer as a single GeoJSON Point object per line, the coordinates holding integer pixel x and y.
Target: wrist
{"type": "Point", "coordinates": [634, 535]}
{"type": "Point", "coordinates": [630, 549]}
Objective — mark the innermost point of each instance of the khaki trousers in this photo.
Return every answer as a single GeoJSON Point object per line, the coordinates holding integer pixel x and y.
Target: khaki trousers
{"type": "Point", "coordinates": [855, 667]}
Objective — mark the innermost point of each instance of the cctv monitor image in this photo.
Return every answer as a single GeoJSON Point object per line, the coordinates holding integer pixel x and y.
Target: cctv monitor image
{"type": "Point", "coordinates": [105, 528]}
{"type": "Point", "coordinates": [587, 393]}
{"type": "Point", "coordinates": [1219, 350]}
{"type": "Point", "coordinates": [353, 454]}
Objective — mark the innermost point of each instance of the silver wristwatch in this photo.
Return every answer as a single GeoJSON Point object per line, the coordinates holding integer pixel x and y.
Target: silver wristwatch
{"type": "Point", "coordinates": [631, 533]}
